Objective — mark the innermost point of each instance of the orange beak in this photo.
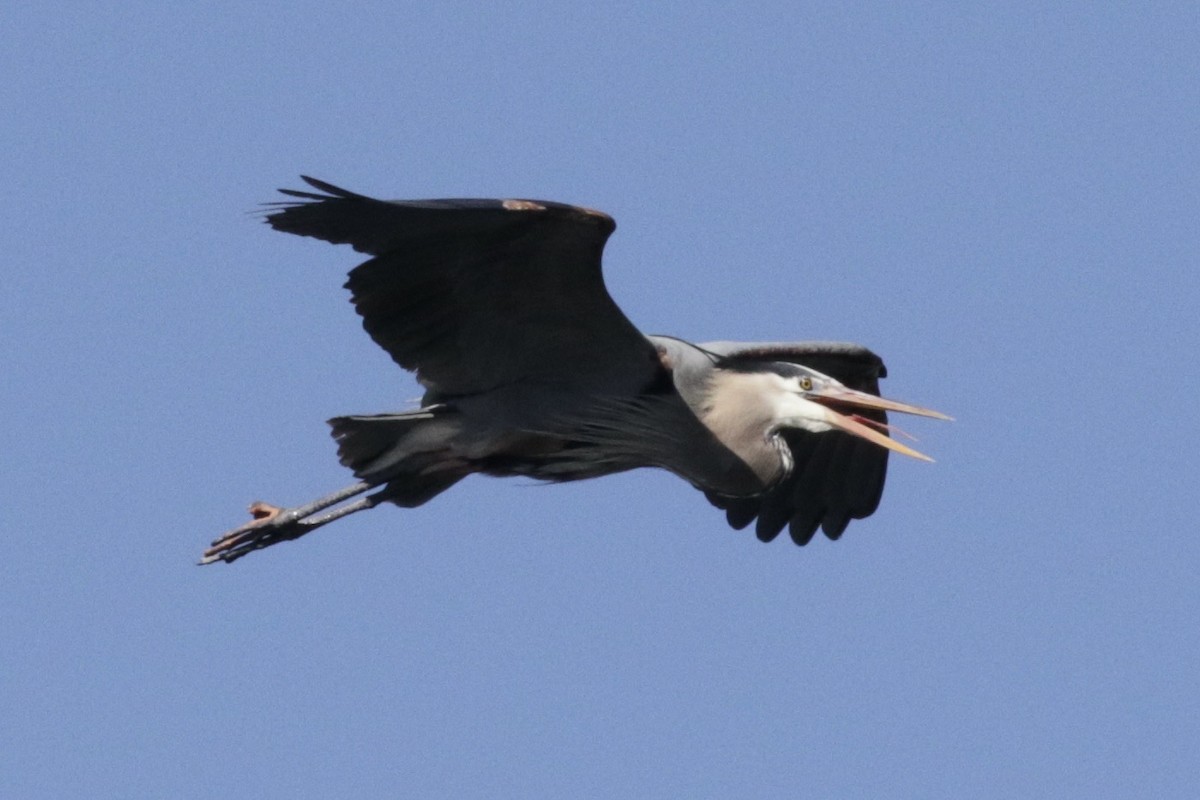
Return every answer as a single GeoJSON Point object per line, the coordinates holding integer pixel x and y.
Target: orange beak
{"type": "Point", "coordinates": [850, 397]}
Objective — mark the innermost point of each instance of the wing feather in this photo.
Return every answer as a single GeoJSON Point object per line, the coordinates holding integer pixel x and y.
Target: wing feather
{"type": "Point", "coordinates": [477, 294]}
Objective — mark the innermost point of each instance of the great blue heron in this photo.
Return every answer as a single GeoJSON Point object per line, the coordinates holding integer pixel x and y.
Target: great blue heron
{"type": "Point", "coordinates": [531, 369]}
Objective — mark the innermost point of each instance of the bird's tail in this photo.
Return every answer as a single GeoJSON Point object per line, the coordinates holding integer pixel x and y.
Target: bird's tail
{"type": "Point", "coordinates": [410, 452]}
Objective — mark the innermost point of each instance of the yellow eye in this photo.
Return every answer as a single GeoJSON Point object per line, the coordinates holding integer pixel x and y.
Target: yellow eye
{"type": "Point", "coordinates": [806, 383]}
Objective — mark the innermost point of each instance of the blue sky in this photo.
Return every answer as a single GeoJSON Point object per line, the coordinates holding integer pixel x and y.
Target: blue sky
{"type": "Point", "coordinates": [1001, 199]}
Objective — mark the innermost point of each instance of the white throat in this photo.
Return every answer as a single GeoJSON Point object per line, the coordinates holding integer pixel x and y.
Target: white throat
{"type": "Point", "coordinates": [794, 411]}
{"type": "Point", "coordinates": [745, 411]}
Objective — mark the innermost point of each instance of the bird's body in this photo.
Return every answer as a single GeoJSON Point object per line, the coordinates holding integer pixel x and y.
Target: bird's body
{"type": "Point", "coordinates": [531, 369]}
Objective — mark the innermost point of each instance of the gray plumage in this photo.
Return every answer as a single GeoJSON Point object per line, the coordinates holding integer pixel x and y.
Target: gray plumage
{"type": "Point", "coordinates": [530, 368]}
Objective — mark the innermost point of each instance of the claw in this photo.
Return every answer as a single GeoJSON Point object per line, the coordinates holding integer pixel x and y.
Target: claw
{"type": "Point", "coordinates": [255, 534]}
{"type": "Point", "coordinates": [261, 510]}
{"type": "Point", "coordinates": [271, 524]}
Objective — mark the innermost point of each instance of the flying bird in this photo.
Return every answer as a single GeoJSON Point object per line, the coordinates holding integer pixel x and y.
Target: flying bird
{"type": "Point", "coordinates": [530, 368]}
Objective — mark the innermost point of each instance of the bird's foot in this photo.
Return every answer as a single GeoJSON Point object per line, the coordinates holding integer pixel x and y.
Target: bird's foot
{"type": "Point", "coordinates": [270, 524]}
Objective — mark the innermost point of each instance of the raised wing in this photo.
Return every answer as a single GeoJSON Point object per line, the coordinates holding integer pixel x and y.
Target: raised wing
{"type": "Point", "coordinates": [835, 477]}
{"type": "Point", "coordinates": [477, 294]}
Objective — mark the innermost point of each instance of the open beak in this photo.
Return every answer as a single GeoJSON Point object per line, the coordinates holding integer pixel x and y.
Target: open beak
{"type": "Point", "coordinates": [850, 397]}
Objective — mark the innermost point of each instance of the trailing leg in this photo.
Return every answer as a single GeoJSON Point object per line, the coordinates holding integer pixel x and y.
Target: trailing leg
{"type": "Point", "coordinates": [409, 458]}
{"type": "Point", "coordinates": [273, 524]}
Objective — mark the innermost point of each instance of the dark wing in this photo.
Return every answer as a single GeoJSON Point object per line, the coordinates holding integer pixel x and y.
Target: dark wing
{"type": "Point", "coordinates": [835, 477]}
{"type": "Point", "coordinates": [476, 294]}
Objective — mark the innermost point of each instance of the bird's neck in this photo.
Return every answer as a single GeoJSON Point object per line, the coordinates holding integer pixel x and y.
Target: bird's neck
{"type": "Point", "coordinates": [741, 413]}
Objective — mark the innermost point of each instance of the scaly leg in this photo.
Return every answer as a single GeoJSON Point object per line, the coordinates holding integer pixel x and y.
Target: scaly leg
{"type": "Point", "coordinates": [272, 524]}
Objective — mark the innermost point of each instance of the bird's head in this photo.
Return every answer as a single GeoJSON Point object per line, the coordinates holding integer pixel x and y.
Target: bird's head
{"type": "Point", "coordinates": [812, 401]}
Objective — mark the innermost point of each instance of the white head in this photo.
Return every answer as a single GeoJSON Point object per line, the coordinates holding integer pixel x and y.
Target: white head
{"type": "Point", "coordinates": [806, 399]}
